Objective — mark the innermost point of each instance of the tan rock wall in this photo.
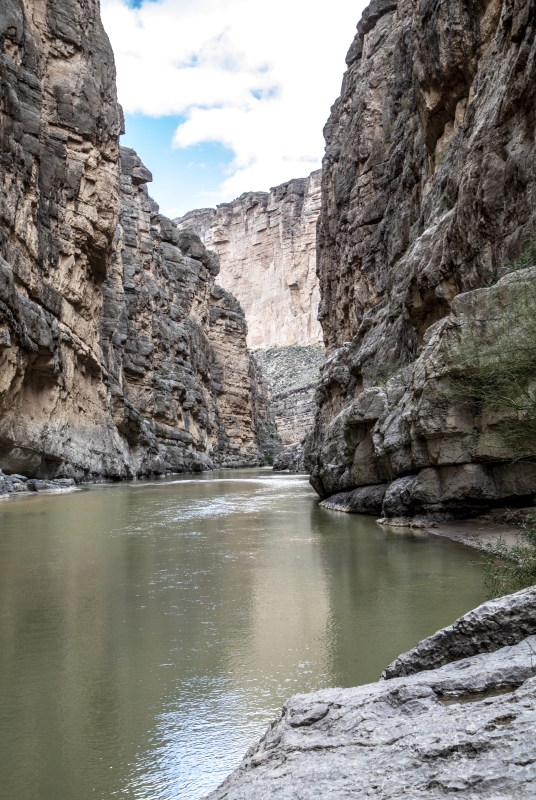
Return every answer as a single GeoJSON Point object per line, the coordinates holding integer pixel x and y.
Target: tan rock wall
{"type": "Point", "coordinates": [118, 354]}
{"type": "Point", "coordinates": [267, 248]}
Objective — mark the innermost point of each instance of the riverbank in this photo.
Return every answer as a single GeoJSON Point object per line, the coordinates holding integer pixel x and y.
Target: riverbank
{"type": "Point", "coordinates": [16, 485]}
{"type": "Point", "coordinates": [485, 529]}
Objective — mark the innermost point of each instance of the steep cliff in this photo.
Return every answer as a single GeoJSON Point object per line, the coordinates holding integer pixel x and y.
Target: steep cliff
{"type": "Point", "coordinates": [267, 247]}
{"type": "Point", "coordinates": [292, 375]}
{"type": "Point", "coordinates": [427, 192]}
{"type": "Point", "coordinates": [58, 213]}
{"type": "Point", "coordinates": [174, 344]}
{"type": "Point", "coordinates": [157, 376]}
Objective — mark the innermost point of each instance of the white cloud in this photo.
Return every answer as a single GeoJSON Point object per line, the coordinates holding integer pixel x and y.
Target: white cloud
{"type": "Point", "coordinates": [257, 77]}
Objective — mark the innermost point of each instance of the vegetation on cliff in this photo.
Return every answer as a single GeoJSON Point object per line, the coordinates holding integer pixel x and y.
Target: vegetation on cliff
{"type": "Point", "coordinates": [509, 568]}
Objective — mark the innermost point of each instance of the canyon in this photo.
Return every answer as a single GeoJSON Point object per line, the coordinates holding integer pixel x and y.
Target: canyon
{"type": "Point", "coordinates": [120, 355]}
{"type": "Point", "coordinates": [266, 243]}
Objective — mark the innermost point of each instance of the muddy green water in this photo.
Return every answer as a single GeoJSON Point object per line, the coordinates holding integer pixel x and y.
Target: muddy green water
{"type": "Point", "coordinates": [149, 632]}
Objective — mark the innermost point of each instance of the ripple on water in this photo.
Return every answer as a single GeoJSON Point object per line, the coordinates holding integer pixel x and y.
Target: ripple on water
{"type": "Point", "coordinates": [151, 631]}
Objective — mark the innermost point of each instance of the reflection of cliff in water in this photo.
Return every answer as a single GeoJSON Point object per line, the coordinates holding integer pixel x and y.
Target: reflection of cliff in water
{"type": "Point", "coordinates": [388, 590]}
{"type": "Point", "coordinates": [150, 632]}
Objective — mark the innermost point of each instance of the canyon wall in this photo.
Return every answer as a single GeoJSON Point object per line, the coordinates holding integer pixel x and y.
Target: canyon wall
{"type": "Point", "coordinates": [290, 375]}
{"type": "Point", "coordinates": [118, 353]}
{"type": "Point", "coordinates": [427, 193]}
{"type": "Point", "coordinates": [267, 247]}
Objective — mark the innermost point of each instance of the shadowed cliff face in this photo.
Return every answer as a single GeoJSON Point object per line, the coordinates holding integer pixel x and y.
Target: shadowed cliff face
{"type": "Point", "coordinates": [428, 189]}
{"type": "Point", "coordinates": [429, 168]}
{"type": "Point", "coordinates": [59, 127]}
{"type": "Point", "coordinates": [155, 378]}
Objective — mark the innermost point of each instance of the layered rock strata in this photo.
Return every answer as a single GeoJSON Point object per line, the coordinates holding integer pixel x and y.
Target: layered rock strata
{"type": "Point", "coordinates": [415, 444]}
{"type": "Point", "coordinates": [174, 344]}
{"type": "Point", "coordinates": [462, 729]}
{"type": "Point", "coordinates": [427, 191]}
{"type": "Point", "coordinates": [267, 247]}
{"type": "Point", "coordinates": [118, 354]}
{"type": "Point", "coordinates": [291, 375]}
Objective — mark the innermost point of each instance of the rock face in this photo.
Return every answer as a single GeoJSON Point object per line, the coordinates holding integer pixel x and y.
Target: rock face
{"type": "Point", "coordinates": [267, 247]}
{"type": "Point", "coordinates": [11, 485]}
{"type": "Point", "coordinates": [119, 355]}
{"type": "Point", "coordinates": [427, 191]}
{"type": "Point", "coordinates": [498, 623]}
{"type": "Point", "coordinates": [463, 729]}
{"type": "Point", "coordinates": [59, 123]}
{"type": "Point", "coordinates": [174, 344]}
{"type": "Point", "coordinates": [435, 454]}
{"type": "Point", "coordinates": [291, 373]}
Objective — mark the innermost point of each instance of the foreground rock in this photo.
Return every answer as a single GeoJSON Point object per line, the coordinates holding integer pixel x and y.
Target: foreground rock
{"type": "Point", "coordinates": [267, 247]}
{"type": "Point", "coordinates": [464, 729]}
{"type": "Point", "coordinates": [119, 354]}
{"type": "Point", "coordinates": [426, 193]}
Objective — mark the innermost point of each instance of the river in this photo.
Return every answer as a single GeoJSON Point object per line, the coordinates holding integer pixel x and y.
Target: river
{"type": "Point", "coordinates": [149, 631]}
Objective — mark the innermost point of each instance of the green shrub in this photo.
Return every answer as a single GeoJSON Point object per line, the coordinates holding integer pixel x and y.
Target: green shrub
{"type": "Point", "coordinates": [496, 361]}
{"type": "Point", "coordinates": [509, 568]}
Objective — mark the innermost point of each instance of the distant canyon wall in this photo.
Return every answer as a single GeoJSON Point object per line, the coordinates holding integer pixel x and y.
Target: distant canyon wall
{"type": "Point", "coordinates": [427, 192]}
{"type": "Point", "coordinates": [119, 354]}
{"type": "Point", "coordinates": [290, 376]}
{"type": "Point", "coordinates": [267, 247]}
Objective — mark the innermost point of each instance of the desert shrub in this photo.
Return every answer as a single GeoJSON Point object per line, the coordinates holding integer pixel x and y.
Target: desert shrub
{"type": "Point", "coordinates": [496, 360]}
{"type": "Point", "coordinates": [509, 568]}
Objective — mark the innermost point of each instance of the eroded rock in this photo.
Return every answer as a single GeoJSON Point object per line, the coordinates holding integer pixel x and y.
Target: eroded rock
{"type": "Point", "coordinates": [463, 730]}
{"type": "Point", "coordinates": [426, 195]}
{"type": "Point", "coordinates": [119, 355]}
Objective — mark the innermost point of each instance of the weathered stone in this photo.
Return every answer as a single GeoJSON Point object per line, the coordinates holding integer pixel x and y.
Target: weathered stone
{"type": "Point", "coordinates": [118, 354]}
{"type": "Point", "coordinates": [489, 627]}
{"type": "Point", "coordinates": [463, 730]}
{"type": "Point", "coordinates": [267, 247]}
{"type": "Point", "coordinates": [419, 423]}
{"type": "Point", "coordinates": [365, 500]}
{"type": "Point", "coordinates": [289, 376]}
{"type": "Point", "coordinates": [427, 192]}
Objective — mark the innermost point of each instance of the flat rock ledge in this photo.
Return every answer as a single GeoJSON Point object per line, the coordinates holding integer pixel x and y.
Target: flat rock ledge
{"type": "Point", "coordinates": [464, 729]}
{"type": "Point", "coordinates": [13, 485]}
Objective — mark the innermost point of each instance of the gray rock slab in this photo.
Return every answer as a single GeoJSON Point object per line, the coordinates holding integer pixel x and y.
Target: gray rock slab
{"type": "Point", "coordinates": [462, 730]}
{"type": "Point", "coordinates": [492, 625]}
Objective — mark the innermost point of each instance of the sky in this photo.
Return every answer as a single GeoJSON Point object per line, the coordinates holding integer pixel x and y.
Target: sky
{"type": "Point", "coordinates": [227, 96]}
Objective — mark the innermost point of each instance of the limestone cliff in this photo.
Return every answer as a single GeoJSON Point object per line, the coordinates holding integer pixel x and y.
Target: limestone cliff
{"type": "Point", "coordinates": [174, 344]}
{"type": "Point", "coordinates": [427, 192]}
{"type": "Point", "coordinates": [267, 247]}
{"type": "Point", "coordinates": [118, 354]}
{"type": "Point", "coordinates": [292, 376]}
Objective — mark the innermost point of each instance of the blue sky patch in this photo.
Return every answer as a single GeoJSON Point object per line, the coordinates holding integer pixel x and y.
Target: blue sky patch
{"type": "Point", "coordinates": [184, 178]}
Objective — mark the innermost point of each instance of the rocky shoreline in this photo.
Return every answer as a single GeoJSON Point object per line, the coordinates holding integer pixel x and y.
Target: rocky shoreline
{"type": "Point", "coordinates": [15, 485]}
{"type": "Point", "coordinates": [454, 717]}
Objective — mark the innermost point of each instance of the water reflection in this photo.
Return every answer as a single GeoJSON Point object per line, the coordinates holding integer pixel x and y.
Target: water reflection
{"type": "Point", "coordinates": [149, 632]}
